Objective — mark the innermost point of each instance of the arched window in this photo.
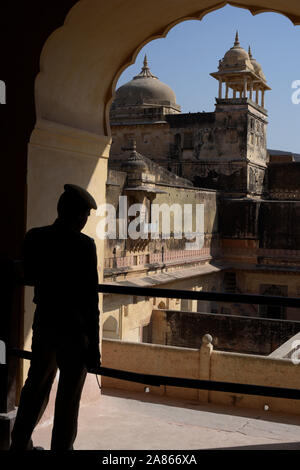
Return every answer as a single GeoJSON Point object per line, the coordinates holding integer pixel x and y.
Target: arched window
{"type": "Point", "coordinates": [111, 328]}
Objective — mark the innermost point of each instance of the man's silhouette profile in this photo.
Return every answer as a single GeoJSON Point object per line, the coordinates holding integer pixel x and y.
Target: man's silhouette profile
{"type": "Point", "coordinates": [61, 263]}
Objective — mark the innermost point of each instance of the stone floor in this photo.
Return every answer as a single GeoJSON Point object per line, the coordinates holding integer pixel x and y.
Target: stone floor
{"type": "Point", "coordinates": [133, 421]}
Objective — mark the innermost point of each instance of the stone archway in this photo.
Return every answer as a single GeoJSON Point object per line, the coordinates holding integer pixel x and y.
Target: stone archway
{"type": "Point", "coordinates": [79, 67]}
{"type": "Point", "coordinates": [82, 61]}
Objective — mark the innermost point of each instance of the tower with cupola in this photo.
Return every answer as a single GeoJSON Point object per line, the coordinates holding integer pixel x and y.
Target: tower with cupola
{"type": "Point", "coordinates": [237, 150]}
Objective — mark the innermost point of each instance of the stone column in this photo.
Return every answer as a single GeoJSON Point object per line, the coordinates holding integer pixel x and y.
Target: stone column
{"type": "Point", "coordinates": [227, 89]}
{"type": "Point", "coordinates": [220, 87]}
{"type": "Point", "coordinates": [245, 88]}
{"type": "Point", "coordinates": [204, 369]}
{"type": "Point", "coordinates": [251, 91]}
{"type": "Point", "coordinates": [256, 96]}
{"type": "Point", "coordinates": [263, 98]}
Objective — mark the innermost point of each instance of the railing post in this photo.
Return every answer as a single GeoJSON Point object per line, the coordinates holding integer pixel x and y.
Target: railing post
{"type": "Point", "coordinates": [204, 366]}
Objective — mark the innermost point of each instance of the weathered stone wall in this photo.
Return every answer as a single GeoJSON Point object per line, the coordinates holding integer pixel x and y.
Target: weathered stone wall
{"type": "Point", "coordinates": [230, 333]}
{"type": "Point", "coordinates": [128, 316]}
{"type": "Point", "coordinates": [192, 196]}
{"type": "Point", "coordinates": [175, 193]}
{"type": "Point", "coordinates": [124, 316]}
{"type": "Point", "coordinates": [238, 219]}
{"type": "Point", "coordinates": [230, 177]}
{"type": "Point", "coordinates": [114, 186]}
{"type": "Point", "coordinates": [274, 223]}
{"type": "Point", "coordinates": [283, 181]}
{"type": "Point", "coordinates": [226, 140]}
{"type": "Point", "coordinates": [153, 140]}
{"type": "Point", "coordinates": [213, 149]}
{"type": "Point", "coordinates": [287, 281]}
{"type": "Point", "coordinates": [279, 225]}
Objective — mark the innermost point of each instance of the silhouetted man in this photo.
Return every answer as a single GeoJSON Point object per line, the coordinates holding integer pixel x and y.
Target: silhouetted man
{"type": "Point", "coordinates": [61, 263]}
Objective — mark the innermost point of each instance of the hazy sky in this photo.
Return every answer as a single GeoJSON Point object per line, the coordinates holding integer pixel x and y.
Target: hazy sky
{"type": "Point", "coordinates": [192, 49]}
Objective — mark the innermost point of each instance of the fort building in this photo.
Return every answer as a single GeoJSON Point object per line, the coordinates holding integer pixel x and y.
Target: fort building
{"type": "Point", "coordinates": [56, 129]}
{"type": "Point", "coordinates": [250, 196]}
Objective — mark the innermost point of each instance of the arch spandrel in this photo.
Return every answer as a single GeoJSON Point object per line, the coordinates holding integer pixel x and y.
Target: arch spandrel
{"type": "Point", "coordinates": [82, 61]}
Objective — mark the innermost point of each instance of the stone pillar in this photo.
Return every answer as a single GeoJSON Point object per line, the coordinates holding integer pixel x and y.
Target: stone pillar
{"type": "Point", "coordinates": [227, 88]}
{"type": "Point", "coordinates": [234, 94]}
{"type": "Point", "coordinates": [204, 369]}
{"type": "Point", "coordinates": [245, 88]}
{"type": "Point", "coordinates": [220, 87]}
{"type": "Point", "coordinates": [263, 98]}
{"type": "Point", "coordinates": [256, 96]}
{"type": "Point", "coordinates": [251, 91]}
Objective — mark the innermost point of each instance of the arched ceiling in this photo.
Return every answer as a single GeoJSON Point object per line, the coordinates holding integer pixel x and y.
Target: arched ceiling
{"type": "Point", "coordinates": [82, 61]}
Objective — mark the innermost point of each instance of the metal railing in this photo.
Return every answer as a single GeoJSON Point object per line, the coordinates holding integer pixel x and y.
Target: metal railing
{"type": "Point", "coordinates": [157, 380]}
{"type": "Point", "coordinates": [293, 302]}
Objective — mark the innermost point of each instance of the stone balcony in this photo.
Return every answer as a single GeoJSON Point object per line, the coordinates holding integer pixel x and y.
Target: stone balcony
{"type": "Point", "coordinates": [134, 416]}
{"type": "Point", "coordinates": [135, 421]}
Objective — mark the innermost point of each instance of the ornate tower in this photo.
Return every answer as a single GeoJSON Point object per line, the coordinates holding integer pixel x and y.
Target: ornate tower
{"type": "Point", "coordinates": [236, 155]}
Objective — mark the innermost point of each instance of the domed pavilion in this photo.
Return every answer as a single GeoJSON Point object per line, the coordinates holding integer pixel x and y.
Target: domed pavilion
{"type": "Point", "coordinates": [242, 74]}
{"type": "Point", "coordinates": [144, 97]}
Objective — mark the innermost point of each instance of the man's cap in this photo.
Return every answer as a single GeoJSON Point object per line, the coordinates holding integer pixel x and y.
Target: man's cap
{"type": "Point", "coordinates": [83, 194]}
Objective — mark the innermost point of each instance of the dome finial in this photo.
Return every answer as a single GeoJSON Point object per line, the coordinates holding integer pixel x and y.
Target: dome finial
{"type": "Point", "coordinates": [237, 42]}
{"type": "Point", "coordinates": [250, 52]}
{"type": "Point", "coordinates": [145, 72]}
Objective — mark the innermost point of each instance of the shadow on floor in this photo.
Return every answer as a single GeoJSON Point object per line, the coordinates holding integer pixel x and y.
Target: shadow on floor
{"type": "Point", "coordinates": [270, 416]}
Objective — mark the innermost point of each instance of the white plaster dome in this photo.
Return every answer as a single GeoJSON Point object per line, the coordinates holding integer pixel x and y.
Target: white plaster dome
{"type": "Point", "coordinates": [145, 89]}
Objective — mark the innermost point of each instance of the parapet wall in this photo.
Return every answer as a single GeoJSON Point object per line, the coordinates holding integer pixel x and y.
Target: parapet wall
{"type": "Point", "coordinates": [207, 364]}
{"type": "Point", "coordinates": [233, 333]}
{"type": "Point", "coordinates": [282, 180]}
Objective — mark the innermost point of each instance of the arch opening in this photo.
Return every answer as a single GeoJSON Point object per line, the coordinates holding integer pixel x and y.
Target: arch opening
{"type": "Point", "coordinates": [80, 65]}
